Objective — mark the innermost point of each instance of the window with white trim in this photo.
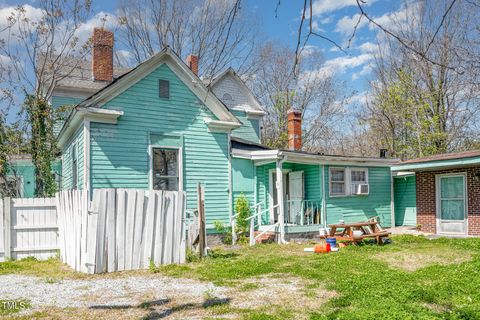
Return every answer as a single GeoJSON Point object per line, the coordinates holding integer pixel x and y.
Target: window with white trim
{"type": "Point", "coordinates": [348, 181]}
{"type": "Point", "coordinates": [337, 181]}
{"type": "Point", "coordinates": [165, 169]}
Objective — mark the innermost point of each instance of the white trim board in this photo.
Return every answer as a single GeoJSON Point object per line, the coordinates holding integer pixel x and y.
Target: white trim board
{"type": "Point", "coordinates": [438, 219]}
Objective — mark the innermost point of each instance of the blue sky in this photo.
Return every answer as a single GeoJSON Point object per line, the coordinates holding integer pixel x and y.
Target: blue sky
{"type": "Point", "coordinates": [333, 18]}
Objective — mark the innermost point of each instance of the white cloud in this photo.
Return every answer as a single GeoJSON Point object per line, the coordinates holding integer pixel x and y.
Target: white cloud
{"type": "Point", "coordinates": [321, 7]}
{"type": "Point", "coordinates": [365, 70]}
{"type": "Point", "coordinates": [368, 47]}
{"type": "Point", "coordinates": [341, 64]}
{"type": "Point", "coordinates": [31, 13]}
{"type": "Point", "coordinates": [347, 24]}
{"type": "Point", "coordinates": [101, 19]}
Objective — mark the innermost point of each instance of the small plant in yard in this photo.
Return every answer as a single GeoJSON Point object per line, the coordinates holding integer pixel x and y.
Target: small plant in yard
{"type": "Point", "coordinates": [242, 212]}
{"type": "Point", "coordinates": [226, 231]}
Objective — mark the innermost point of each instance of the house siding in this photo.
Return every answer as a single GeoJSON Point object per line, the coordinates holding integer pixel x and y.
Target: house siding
{"type": "Point", "coordinates": [76, 141]}
{"type": "Point", "coordinates": [120, 152]}
{"type": "Point", "coordinates": [405, 198]}
{"type": "Point", "coordinates": [312, 182]}
{"type": "Point", "coordinates": [243, 180]}
{"type": "Point", "coordinates": [250, 129]}
{"type": "Point", "coordinates": [359, 208]}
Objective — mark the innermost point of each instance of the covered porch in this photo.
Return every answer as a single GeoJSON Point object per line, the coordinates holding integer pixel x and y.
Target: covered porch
{"type": "Point", "coordinates": [288, 197]}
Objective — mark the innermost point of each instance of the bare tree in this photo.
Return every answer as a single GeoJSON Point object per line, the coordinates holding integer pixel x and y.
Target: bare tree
{"type": "Point", "coordinates": [421, 107]}
{"type": "Point", "coordinates": [315, 92]}
{"type": "Point", "coordinates": [220, 33]}
{"type": "Point", "coordinates": [37, 49]}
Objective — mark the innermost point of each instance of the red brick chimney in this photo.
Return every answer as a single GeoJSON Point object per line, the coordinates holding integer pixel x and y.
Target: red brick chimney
{"type": "Point", "coordinates": [192, 63]}
{"type": "Point", "coordinates": [102, 56]}
{"type": "Point", "coordinates": [294, 129]}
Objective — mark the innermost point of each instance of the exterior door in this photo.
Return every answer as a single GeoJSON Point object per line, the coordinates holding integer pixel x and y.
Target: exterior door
{"type": "Point", "coordinates": [451, 204]}
{"type": "Point", "coordinates": [273, 199]}
{"type": "Point", "coordinates": [295, 197]}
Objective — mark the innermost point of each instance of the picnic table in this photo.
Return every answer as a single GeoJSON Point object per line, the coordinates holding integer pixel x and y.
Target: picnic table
{"type": "Point", "coordinates": [368, 229]}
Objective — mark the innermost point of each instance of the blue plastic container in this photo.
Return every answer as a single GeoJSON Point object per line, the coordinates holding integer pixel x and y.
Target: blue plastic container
{"type": "Point", "coordinates": [332, 242]}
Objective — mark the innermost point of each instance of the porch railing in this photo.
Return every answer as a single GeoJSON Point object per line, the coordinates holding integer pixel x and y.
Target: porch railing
{"type": "Point", "coordinates": [303, 212]}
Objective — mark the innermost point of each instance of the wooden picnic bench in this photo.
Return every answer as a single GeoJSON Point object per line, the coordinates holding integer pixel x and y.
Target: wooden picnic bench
{"type": "Point", "coordinates": [368, 229]}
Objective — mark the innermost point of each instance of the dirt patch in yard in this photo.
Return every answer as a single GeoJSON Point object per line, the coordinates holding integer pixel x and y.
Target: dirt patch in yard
{"type": "Point", "coordinates": [417, 259]}
{"type": "Point", "coordinates": [282, 290]}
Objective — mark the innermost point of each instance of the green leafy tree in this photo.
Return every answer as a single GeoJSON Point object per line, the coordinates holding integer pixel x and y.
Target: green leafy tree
{"type": "Point", "coordinates": [42, 144]}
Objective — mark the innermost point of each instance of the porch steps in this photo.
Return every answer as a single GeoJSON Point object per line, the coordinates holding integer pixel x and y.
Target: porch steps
{"type": "Point", "coordinates": [267, 237]}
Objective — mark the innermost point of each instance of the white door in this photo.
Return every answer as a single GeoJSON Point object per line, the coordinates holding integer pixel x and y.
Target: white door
{"type": "Point", "coordinates": [451, 204]}
{"type": "Point", "coordinates": [273, 201]}
{"type": "Point", "coordinates": [296, 196]}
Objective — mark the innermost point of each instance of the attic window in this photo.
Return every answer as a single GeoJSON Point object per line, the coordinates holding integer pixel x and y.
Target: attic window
{"type": "Point", "coordinates": [164, 89]}
{"type": "Point", "coordinates": [227, 97]}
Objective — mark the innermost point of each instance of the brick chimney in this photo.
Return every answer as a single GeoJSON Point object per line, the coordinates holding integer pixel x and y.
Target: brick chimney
{"type": "Point", "coordinates": [192, 63]}
{"type": "Point", "coordinates": [102, 56]}
{"type": "Point", "coordinates": [294, 129]}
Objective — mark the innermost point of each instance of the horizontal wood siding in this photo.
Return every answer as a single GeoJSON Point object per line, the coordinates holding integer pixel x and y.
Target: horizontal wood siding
{"type": "Point", "coordinates": [359, 208]}
{"type": "Point", "coordinates": [119, 153]}
{"type": "Point", "coordinates": [67, 174]}
{"type": "Point", "coordinates": [312, 176]}
{"type": "Point", "coordinates": [243, 180]}
{"type": "Point", "coordinates": [405, 201]}
{"type": "Point", "coordinates": [250, 129]}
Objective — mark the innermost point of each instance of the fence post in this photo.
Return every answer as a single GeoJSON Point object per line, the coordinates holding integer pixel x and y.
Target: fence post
{"type": "Point", "coordinates": [7, 215]}
{"type": "Point", "coordinates": [252, 231]}
{"type": "Point", "coordinates": [202, 241]}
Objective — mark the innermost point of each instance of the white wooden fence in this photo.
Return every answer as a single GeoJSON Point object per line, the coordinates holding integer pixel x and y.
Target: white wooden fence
{"type": "Point", "coordinates": [122, 229]}
{"type": "Point", "coordinates": [28, 228]}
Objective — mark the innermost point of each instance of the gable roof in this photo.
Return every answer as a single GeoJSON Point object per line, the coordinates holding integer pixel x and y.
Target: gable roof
{"type": "Point", "coordinates": [166, 56]}
{"type": "Point", "coordinates": [241, 85]}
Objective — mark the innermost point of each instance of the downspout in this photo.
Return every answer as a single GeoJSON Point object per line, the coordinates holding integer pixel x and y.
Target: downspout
{"type": "Point", "coordinates": [230, 184]}
{"type": "Point", "coordinates": [86, 157]}
{"type": "Point", "coordinates": [392, 201]}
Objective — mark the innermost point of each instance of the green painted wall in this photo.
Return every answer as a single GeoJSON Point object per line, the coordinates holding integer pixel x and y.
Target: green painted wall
{"type": "Point", "coordinates": [312, 176]}
{"type": "Point", "coordinates": [119, 153]}
{"type": "Point", "coordinates": [250, 129]}
{"type": "Point", "coordinates": [76, 141]}
{"type": "Point", "coordinates": [405, 201]}
{"type": "Point", "coordinates": [360, 208]}
{"type": "Point", "coordinates": [26, 170]}
{"type": "Point", "coordinates": [243, 173]}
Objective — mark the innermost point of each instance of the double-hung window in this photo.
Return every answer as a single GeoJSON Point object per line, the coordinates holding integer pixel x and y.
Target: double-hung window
{"type": "Point", "coordinates": [348, 181]}
{"type": "Point", "coordinates": [337, 181]}
{"type": "Point", "coordinates": [165, 169]}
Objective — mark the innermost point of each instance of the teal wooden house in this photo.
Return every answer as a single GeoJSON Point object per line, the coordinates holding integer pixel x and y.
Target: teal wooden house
{"type": "Point", "coordinates": [159, 126]}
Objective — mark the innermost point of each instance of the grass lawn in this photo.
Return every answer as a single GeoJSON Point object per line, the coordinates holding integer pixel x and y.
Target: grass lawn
{"type": "Point", "coordinates": [413, 278]}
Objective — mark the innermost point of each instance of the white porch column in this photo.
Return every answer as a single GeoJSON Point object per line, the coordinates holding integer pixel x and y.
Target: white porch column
{"type": "Point", "coordinates": [280, 200]}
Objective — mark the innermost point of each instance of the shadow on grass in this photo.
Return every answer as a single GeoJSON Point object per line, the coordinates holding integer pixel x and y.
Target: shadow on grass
{"type": "Point", "coordinates": [156, 314]}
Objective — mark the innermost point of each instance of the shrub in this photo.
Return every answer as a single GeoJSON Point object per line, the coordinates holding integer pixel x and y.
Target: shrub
{"type": "Point", "coordinates": [242, 209]}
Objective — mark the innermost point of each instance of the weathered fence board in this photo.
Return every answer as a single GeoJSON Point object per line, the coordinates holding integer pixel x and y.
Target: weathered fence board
{"type": "Point", "coordinates": [28, 228]}
{"type": "Point", "coordinates": [124, 229]}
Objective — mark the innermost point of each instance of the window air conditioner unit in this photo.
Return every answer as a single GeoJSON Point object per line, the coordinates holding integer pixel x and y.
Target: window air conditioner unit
{"type": "Point", "coordinates": [360, 188]}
